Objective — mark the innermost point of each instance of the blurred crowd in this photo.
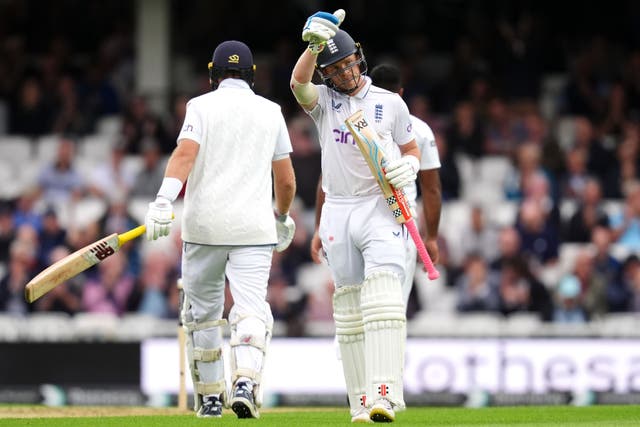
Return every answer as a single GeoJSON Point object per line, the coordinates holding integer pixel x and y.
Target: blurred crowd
{"type": "Point", "coordinates": [569, 137]}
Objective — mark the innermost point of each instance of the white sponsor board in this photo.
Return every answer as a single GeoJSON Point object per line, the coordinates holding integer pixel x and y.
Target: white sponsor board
{"type": "Point", "coordinates": [307, 366]}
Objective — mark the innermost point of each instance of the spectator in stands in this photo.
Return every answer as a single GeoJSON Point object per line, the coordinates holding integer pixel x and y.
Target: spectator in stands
{"type": "Point", "coordinates": [69, 115]}
{"type": "Point", "coordinates": [613, 124]}
{"type": "Point", "coordinates": [153, 284]}
{"type": "Point", "coordinates": [111, 290]}
{"type": "Point", "coordinates": [117, 219]}
{"type": "Point", "coordinates": [21, 269]}
{"type": "Point", "coordinates": [521, 291]}
{"type": "Point", "coordinates": [627, 168]}
{"type": "Point", "coordinates": [509, 247]}
{"type": "Point", "coordinates": [65, 297]}
{"type": "Point", "coordinates": [60, 183]}
{"type": "Point", "coordinates": [539, 240]}
{"type": "Point", "coordinates": [518, 53]}
{"type": "Point", "coordinates": [589, 214]}
{"type": "Point", "coordinates": [600, 159]}
{"type": "Point", "coordinates": [465, 135]}
{"type": "Point", "coordinates": [26, 210]}
{"type": "Point", "coordinates": [527, 162]}
{"type": "Point", "coordinates": [477, 287]}
{"type": "Point", "coordinates": [582, 97]}
{"type": "Point", "coordinates": [631, 283]}
{"type": "Point", "coordinates": [112, 179]}
{"type": "Point", "coordinates": [608, 267]}
{"type": "Point", "coordinates": [29, 115]}
{"type": "Point", "coordinates": [98, 94]}
{"type": "Point", "coordinates": [568, 301]}
{"type": "Point", "coordinates": [140, 122]}
{"type": "Point", "coordinates": [305, 157]}
{"type": "Point", "coordinates": [500, 139]}
{"type": "Point", "coordinates": [50, 236]}
{"type": "Point", "coordinates": [626, 224]}
{"type": "Point", "coordinates": [7, 231]}
{"type": "Point", "coordinates": [149, 178]}
{"type": "Point", "coordinates": [574, 179]}
{"type": "Point", "coordinates": [480, 236]}
{"type": "Point", "coordinates": [593, 285]}
{"type": "Point", "coordinates": [449, 174]}
{"type": "Point", "coordinates": [533, 128]}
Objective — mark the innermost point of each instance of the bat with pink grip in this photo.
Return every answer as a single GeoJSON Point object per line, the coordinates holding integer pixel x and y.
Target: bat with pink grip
{"type": "Point", "coordinates": [432, 273]}
{"type": "Point", "coordinates": [396, 201]}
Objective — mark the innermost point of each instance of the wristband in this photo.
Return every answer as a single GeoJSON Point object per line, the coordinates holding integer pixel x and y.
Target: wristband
{"type": "Point", "coordinates": [170, 188]}
{"type": "Point", "coordinates": [281, 216]}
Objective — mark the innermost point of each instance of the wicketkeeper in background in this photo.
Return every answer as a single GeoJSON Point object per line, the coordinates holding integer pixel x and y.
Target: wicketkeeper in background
{"type": "Point", "coordinates": [364, 245]}
{"type": "Point", "coordinates": [231, 142]}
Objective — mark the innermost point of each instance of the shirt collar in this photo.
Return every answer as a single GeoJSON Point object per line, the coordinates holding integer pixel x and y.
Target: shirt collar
{"type": "Point", "coordinates": [365, 89]}
{"type": "Point", "coordinates": [234, 83]}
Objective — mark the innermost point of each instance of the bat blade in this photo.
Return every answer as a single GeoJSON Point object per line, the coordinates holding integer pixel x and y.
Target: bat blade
{"type": "Point", "coordinates": [77, 262]}
{"type": "Point", "coordinates": [365, 138]}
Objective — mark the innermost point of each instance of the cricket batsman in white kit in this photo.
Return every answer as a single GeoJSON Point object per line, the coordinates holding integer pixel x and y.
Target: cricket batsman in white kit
{"type": "Point", "coordinates": [364, 245]}
{"type": "Point", "coordinates": [231, 143]}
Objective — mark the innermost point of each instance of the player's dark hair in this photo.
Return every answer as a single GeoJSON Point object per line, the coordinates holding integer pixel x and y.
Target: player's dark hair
{"type": "Point", "coordinates": [386, 76]}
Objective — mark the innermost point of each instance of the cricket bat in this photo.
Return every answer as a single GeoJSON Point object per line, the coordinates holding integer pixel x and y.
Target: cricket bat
{"type": "Point", "coordinates": [365, 138]}
{"type": "Point", "coordinates": [75, 263]}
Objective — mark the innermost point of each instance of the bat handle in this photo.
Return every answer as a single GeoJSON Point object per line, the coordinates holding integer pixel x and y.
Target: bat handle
{"type": "Point", "coordinates": [432, 273]}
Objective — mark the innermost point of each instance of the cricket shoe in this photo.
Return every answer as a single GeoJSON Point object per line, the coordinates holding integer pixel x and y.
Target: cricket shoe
{"type": "Point", "coordinates": [361, 416]}
{"type": "Point", "coordinates": [211, 407]}
{"type": "Point", "coordinates": [382, 412]}
{"type": "Point", "coordinates": [242, 401]}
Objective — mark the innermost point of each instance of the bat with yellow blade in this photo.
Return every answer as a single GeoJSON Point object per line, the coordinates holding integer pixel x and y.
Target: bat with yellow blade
{"type": "Point", "coordinates": [75, 263]}
{"type": "Point", "coordinates": [365, 138]}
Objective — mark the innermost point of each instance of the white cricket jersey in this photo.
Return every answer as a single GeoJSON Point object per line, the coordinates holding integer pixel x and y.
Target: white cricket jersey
{"type": "Point", "coordinates": [429, 157]}
{"type": "Point", "coordinates": [228, 195]}
{"type": "Point", "coordinates": [345, 173]}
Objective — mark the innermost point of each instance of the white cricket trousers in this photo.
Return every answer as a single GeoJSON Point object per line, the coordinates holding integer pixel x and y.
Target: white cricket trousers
{"type": "Point", "coordinates": [203, 274]}
{"type": "Point", "coordinates": [360, 236]}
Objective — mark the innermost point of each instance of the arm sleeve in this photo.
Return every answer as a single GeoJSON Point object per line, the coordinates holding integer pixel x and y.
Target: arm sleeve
{"type": "Point", "coordinates": [429, 157]}
{"type": "Point", "coordinates": [283, 143]}
{"type": "Point", "coordinates": [402, 128]}
{"type": "Point", "coordinates": [192, 127]}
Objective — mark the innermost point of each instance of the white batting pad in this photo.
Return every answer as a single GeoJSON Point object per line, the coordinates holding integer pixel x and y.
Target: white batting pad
{"type": "Point", "coordinates": [350, 335]}
{"type": "Point", "coordinates": [383, 314]}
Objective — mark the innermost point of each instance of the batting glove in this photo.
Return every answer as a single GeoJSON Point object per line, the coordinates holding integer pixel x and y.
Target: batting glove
{"type": "Point", "coordinates": [286, 228]}
{"type": "Point", "coordinates": [403, 171]}
{"type": "Point", "coordinates": [320, 27]}
{"type": "Point", "coordinates": [158, 219]}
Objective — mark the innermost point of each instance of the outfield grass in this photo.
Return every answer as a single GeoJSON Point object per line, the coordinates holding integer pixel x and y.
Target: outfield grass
{"type": "Point", "coordinates": [621, 415]}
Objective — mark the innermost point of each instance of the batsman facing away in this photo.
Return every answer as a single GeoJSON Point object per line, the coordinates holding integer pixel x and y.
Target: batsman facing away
{"type": "Point", "coordinates": [364, 245]}
{"type": "Point", "coordinates": [231, 143]}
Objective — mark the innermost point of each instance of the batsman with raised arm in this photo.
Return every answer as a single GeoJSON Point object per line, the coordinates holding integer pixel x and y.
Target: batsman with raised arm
{"type": "Point", "coordinates": [364, 245]}
{"type": "Point", "coordinates": [231, 143]}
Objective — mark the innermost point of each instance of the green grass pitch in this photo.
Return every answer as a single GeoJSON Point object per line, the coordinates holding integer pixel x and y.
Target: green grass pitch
{"type": "Point", "coordinates": [619, 415]}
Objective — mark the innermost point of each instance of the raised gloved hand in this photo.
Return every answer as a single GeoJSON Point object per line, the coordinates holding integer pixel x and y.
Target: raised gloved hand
{"type": "Point", "coordinates": [403, 171]}
{"type": "Point", "coordinates": [286, 228]}
{"type": "Point", "coordinates": [158, 218]}
{"type": "Point", "coordinates": [320, 27]}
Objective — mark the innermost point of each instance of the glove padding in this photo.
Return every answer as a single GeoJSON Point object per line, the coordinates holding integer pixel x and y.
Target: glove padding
{"type": "Point", "coordinates": [403, 171]}
{"type": "Point", "coordinates": [320, 27]}
{"type": "Point", "coordinates": [286, 228]}
{"type": "Point", "coordinates": [158, 218]}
